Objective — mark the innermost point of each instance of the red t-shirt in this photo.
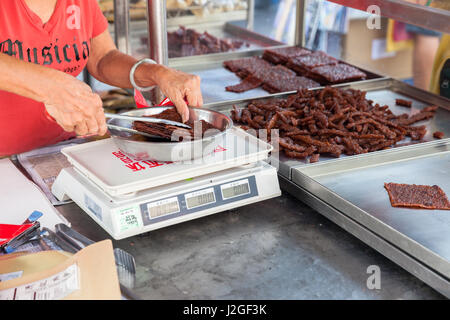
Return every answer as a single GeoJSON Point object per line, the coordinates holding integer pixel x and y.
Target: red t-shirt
{"type": "Point", "coordinates": [63, 43]}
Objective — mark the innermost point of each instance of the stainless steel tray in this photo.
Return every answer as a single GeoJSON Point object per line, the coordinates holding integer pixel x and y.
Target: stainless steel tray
{"type": "Point", "coordinates": [215, 77]}
{"type": "Point", "coordinates": [356, 188]}
{"type": "Point", "coordinates": [353, 186]}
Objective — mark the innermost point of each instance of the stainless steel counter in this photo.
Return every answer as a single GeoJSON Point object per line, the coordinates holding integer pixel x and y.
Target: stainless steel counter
{"type": "Point", "coordinates": [276, 249]}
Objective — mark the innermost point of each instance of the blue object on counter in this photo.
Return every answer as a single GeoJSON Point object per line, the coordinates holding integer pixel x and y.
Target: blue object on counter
{"type": "Point", "coordinates": [34, 216]}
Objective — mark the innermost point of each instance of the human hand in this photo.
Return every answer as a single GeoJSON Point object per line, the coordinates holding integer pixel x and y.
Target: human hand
{"type": "Point", "coordinates": [74, 106]}
{"type": "Point", "coordinates": [180, 87]}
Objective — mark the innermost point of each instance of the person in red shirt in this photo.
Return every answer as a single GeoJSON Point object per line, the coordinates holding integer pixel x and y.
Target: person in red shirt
{"type": "Point", "coordinates": [44, 45]}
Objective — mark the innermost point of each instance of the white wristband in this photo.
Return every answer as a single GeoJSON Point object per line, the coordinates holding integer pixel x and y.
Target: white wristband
{"type": "Point", "coordinates": [133, 70]}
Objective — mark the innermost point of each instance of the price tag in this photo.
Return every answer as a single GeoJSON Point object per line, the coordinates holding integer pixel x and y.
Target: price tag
{"type": "Point", "coordinates": [128, 218]}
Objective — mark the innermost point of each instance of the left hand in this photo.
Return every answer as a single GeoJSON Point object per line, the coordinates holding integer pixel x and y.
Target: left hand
{"type": "Point", "coordinates": [178, 87]}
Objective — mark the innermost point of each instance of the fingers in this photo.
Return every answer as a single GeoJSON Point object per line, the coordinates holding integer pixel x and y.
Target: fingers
{"type": "Point", "coordinates": [181, 106]}
{"type": "Point", "coordinates": [82, 129]}
{"type": "Point", "coordinates": [193, 92]}
{"type": "Point", "coordinates": [65, 121]}
{"type": "Point", "coordinates": [101, 121]}
{"type": "Point", "coordinates": [93, 116]}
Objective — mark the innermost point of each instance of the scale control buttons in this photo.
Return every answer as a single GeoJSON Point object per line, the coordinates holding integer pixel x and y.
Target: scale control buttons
{"type": "Point", "coordinates": [235, 189]}
{"type": "Point", "coordinates": [163, 207]}
{"type": "Point", "coordinates": [200, 198]}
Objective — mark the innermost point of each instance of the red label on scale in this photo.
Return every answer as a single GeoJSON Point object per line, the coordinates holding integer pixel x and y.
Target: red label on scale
{"type": "Point", "coordinates": [147, 164]}
{"type": "Point", "coordinates": [138, 165]}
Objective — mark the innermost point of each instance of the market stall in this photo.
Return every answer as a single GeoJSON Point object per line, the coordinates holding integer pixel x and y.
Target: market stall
{"type": "Point", "coordinates": [336, 187]}
{"type": "Point", "coordinates": [344, 130]}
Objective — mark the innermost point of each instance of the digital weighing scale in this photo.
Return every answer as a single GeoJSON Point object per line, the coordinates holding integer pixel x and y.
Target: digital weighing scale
{"type": "Point", "coordinates": [128, 197]}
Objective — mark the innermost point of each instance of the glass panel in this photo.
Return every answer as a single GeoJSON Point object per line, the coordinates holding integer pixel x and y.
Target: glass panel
{"type": "Point", "coordinates": [383, 46]}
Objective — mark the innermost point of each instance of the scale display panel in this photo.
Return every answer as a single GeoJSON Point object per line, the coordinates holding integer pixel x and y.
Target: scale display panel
{"type": "Point", "coordinates": [163, 207]}
{"type": "Point", "coordinates": [198, 200]}
{"type": "Point", "coordinates": [235, 189]}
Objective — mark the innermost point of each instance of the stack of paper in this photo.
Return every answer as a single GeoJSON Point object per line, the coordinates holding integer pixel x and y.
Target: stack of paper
{"type": "Point", "coordinates": [19, 197]}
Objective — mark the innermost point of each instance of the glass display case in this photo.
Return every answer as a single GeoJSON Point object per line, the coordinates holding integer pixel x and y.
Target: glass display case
{"type": "Point", "coordinates": [197, 36]}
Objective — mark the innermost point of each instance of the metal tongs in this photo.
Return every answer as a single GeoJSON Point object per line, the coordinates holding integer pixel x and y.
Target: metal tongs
{"type": "Point", "coordinates": [139, 104]}
{"type": "Point", "coordinates": [147, 119]}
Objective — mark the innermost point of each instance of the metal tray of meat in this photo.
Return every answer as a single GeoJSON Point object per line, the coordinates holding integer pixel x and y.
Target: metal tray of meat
{"type": "Point", "coordinates": [215, 77]}
{"type": "Point", "coordinates": [139, 38]}
{"type": "Point", "coordinates": [382, 91]}
{"type": "Point", "coordinates": [232, 31]}
{"type": "Point", "coordinates": [354, 185]}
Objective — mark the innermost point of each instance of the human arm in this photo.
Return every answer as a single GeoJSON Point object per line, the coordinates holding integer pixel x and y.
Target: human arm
{"type": "Point", "coordinates": [111, 66]}
{"type": "Point", "coordinates": [69, 101]}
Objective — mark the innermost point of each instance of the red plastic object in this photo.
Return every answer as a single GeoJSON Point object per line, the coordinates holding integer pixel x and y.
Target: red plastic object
{"type": "Point", "coordinates": [10, 231]}
{"type": "Point", "coordinates": [142, 103]}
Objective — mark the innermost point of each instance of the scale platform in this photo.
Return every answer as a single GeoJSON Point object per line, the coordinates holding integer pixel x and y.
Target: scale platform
{"type": "Point", "coordinates": [128, 197]}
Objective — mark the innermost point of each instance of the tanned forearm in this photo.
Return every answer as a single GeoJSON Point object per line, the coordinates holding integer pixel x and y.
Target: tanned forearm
{"type": "Point", "coordinates": [24, 78]}
{"type": "Point", "coordinates": [110, 66]}
{"type": "Point", "coordinates": [114, 69]}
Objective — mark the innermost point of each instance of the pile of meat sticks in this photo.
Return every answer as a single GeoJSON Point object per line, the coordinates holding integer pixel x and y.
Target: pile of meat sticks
{"type": "Point", "coordinates": [331, 121]}
{"type": "Point", "coordinates": [188, 42]}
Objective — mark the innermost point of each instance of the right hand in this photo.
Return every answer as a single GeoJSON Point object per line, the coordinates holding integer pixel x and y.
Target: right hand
{"type": "Point", "coordinates": [74, 106]}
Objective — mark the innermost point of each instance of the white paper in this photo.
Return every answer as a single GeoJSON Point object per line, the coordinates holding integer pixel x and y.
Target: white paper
{"type": "Point", "coordinates": [19, 197]}
{"type": "Point", "coordinates": [56, 287]}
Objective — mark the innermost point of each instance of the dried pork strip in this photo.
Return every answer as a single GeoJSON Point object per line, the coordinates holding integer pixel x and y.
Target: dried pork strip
{"type": "Point", "coordinates": [438, 134]}
{"type": "Point", "coordinates": [248, 83]}
{"type": "Point", "coordinates": [417, 196]}
{"type": "Point", "coordinates": [272, 122]}
{"type": "Point", "coordinates": [430, 109]}
{"type": "Point", "coordinates": [333, 74]}
{"type": "Point", "coordinates": [403, 103]}
{"type": "Point", "coordinates": [416, 118]}
{"type": "Point", "coordinates": [256, 110]}
{"type": "Point", "coordinates": [282, 55]}
{"type": "Point", "coordinates": [300, 155]}
{"type": "Point", "coordinates": [291, 146]}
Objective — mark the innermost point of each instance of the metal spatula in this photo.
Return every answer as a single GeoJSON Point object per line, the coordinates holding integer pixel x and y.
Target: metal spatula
{"type": "Point", "coordinates": [147, 119]}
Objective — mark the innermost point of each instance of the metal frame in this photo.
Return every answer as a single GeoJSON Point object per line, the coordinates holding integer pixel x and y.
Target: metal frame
{"type": "Point", "coordinates": [300, 23]}
{"type": "Point", "coordinates": [122, 25]}
{"type": "Point", "coordinates": [427, 17]}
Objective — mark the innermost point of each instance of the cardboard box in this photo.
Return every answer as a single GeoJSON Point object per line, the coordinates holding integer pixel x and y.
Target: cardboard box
{"type": "Point", "coordinates": [90, 274]}
{"type": "Point", "coordinates": [365, 48]}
